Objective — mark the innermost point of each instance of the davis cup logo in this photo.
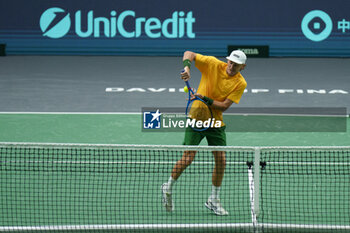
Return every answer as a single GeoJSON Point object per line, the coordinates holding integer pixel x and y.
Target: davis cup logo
{"type": "Point", "coordinates": [55, 23]}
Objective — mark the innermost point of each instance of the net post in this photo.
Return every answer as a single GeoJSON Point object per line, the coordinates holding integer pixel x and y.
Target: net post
{"type": "Point", "coordinates": [257, 156]}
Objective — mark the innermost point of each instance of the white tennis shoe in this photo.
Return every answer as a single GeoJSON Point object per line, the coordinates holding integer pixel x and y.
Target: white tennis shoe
{"type": "Point", "coordinates": [166, 198]}
{"type": "Point", "coordinates": [215, 206]}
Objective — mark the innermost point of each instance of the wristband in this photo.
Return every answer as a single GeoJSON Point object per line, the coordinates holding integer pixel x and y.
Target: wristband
{"type": "Point", "coordinates": [187, 62]}
{"type": "Point", "coordinates": [208, 100]}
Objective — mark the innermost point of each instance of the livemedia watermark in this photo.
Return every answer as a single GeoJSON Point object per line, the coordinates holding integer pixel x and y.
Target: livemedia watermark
{"type": "Point", "coordinates": [166, 119]}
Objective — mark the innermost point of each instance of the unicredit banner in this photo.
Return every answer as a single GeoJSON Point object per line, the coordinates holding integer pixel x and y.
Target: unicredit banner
{"type": "Point", "coordinates": [56, 23]}
{"type": "Point", "coordinates": [158, 27]}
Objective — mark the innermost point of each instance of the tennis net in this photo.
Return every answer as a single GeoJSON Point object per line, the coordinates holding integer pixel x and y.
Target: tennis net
{"type": "Point", "coordinates": [81, 188]}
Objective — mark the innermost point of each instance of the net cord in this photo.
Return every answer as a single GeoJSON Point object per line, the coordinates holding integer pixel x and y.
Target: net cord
{"type": "Point", "coordinates": [173, 147]}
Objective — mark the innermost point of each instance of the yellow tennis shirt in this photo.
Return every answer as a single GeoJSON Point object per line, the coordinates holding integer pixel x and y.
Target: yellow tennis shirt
{"type": "Point", "coordinates": [217, 85]}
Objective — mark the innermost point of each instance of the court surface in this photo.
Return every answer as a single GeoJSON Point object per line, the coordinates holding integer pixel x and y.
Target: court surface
{"type": "Point", "coordinates": [79, 84]}
{"type": "Point", "coordinates": [127, 129]}
{"type": "Point", "coordinates": [123, 85]}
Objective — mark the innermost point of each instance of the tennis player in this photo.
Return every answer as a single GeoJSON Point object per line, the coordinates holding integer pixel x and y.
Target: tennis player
{"type": "Point", "coordinates": [221, 85]}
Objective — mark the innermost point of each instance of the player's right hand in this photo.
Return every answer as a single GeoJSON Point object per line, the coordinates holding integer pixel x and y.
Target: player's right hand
{"type": "Point", "coordinates": [185, 75]}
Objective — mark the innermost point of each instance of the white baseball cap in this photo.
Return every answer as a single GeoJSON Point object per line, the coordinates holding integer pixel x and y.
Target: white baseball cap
{"type": "Point", "coordinates": [238, 57]}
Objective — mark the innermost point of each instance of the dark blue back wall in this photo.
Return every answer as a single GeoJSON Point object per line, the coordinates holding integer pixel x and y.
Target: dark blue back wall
{"type": "Point", "coordinates": [159, 27]}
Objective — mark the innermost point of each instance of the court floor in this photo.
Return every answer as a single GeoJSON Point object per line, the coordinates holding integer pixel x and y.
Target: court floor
{"type": "Point", "coordinates": [127, 129]}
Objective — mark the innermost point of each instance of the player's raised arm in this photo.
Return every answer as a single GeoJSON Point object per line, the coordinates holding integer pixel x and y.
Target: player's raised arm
{"type": "Point", "coordinates": [187, 60]}
{"type": "Point", "coordinates": [189, 55]}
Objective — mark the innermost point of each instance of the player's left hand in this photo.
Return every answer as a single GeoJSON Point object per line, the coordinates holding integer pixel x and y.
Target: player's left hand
{"type": "Point", "coordinates": [196, 95]}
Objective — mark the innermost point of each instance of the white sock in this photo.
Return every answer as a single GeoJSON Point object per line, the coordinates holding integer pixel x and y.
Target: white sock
{"type": "Point", "coordinates": [171, 182]}
{"type": "Point", "coordinates": [215, 192]}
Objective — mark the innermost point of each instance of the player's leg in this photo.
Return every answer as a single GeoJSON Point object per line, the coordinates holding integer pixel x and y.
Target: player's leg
{"type": "Point", "coordinates": [217, 137]}
{"type": "Point", "coordinates": [179, 167]}
{"type": "Point", "coordinates": [219, 168]}
{"type": "Point", "coordinates": [192, 137]}
{"type": "Point", "coordinates": [213, 202]}
{"type": "Point", "coordinates": [183, 163]}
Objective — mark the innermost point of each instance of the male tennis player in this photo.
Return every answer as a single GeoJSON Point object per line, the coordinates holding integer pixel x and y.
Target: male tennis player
{"type": "Point", "coordinates": [221, 85]}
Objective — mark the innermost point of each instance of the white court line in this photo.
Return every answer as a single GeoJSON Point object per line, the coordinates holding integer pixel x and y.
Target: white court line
{"type": "Point", "coordinates": [169, 162]}
{"type": "Point", "coordinates": [71, 113]}
{"type": "Point", "coordinates": [170, 226]}
{"type": "Point", "coordinates": [139, 113]}
{"type": "Point", "coordinates": [304, 226]}
{"type": "Point", "coordinates": [106, 162]}
{"type": "Point", "coordinates": [123, 227]}
{"type": "Point", "coordinates": [285, 115]}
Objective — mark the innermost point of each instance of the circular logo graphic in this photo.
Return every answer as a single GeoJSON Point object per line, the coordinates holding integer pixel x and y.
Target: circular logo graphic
{"type": "Point", "coordinates": [312, 16]}
{"type": "Point", "coordinates": [55, 23]}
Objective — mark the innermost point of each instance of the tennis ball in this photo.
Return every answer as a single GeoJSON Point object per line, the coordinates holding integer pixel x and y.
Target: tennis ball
{"type": "Point", "coordinates": [186, 89]}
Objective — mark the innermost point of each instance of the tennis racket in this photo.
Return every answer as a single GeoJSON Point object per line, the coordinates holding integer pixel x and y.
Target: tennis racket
{"type": "Point", "coordinates": [199, 110]}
